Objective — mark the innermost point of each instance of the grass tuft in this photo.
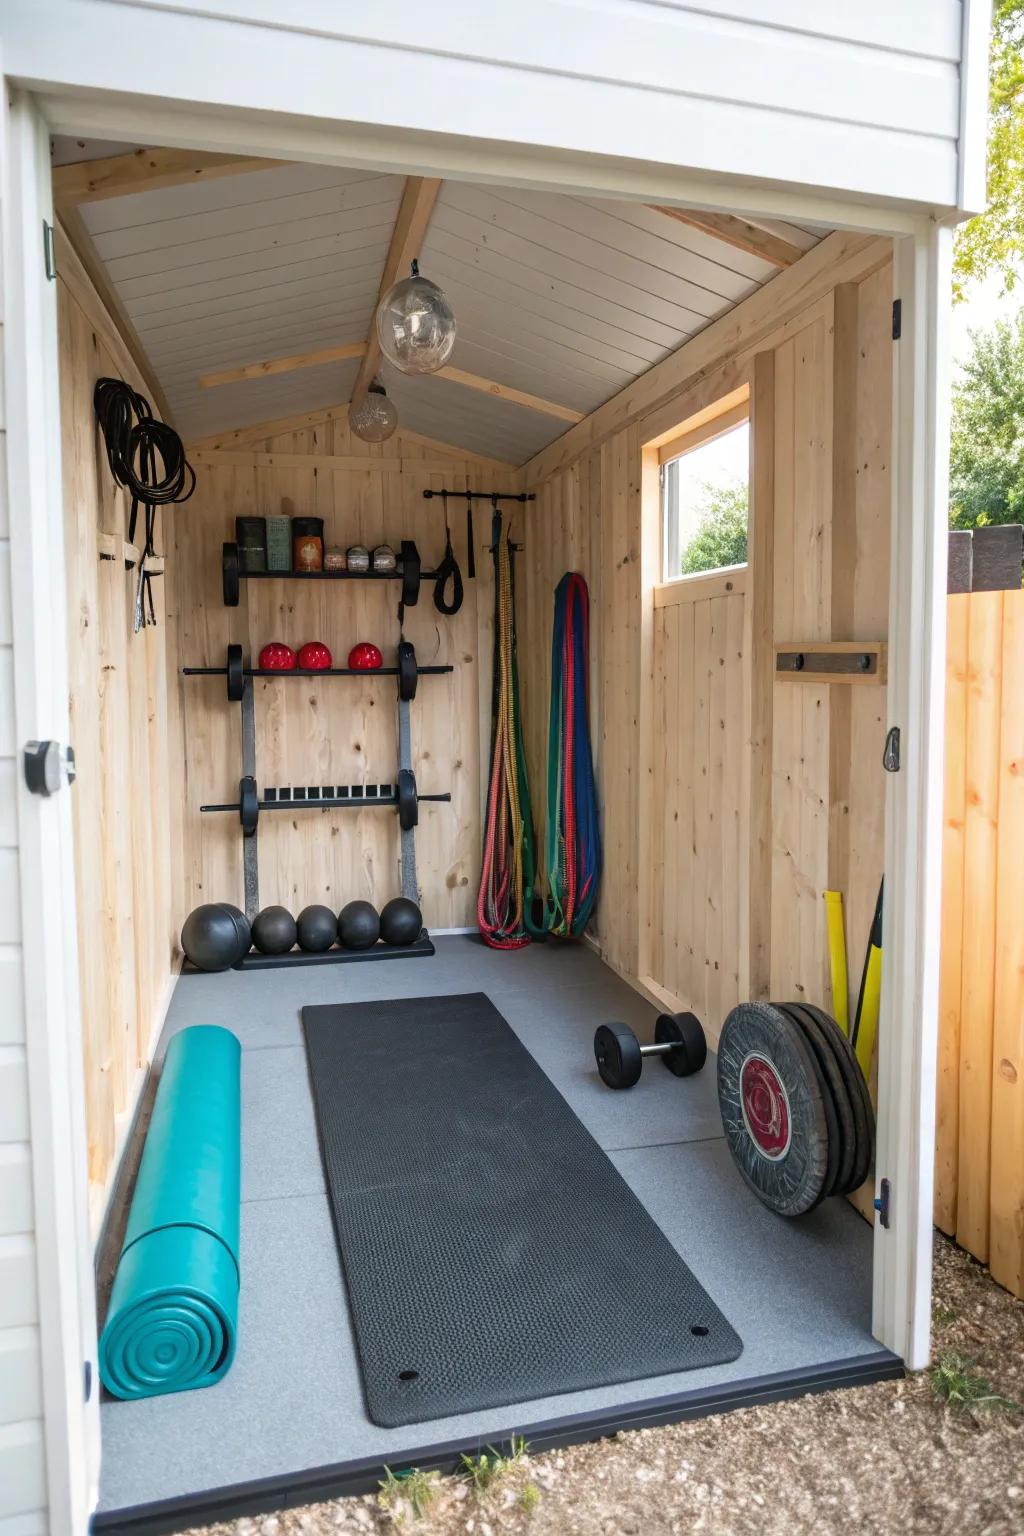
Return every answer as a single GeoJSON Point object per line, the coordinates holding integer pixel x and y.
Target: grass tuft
{"type": "Point", "coordinates": [483, 1471]}
{"type": "Point", "coordinates": [964, 1389]}
{"type": "Point", "coordinates": [529, 1498]}
{"type": "Point", "coordinates": [942, 1315]}
{"type": "Point", "coordinates": [413, 1487]}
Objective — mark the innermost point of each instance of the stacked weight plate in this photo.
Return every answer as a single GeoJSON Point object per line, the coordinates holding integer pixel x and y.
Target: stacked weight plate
{"type": "Point", "coordinates": [795, 1107]}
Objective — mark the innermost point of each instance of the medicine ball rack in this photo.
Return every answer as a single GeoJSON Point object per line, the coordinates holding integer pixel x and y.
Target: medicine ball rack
{"type": "Point", "coordinates": [401, 795]}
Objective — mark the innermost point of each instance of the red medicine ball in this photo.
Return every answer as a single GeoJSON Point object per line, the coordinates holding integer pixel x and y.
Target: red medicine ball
{"type": "Point", "coordinates": [314, 657]}
{"type": "Point", "coordinates": [364, 657]}
{"type": "Point", "coordinates": [277, 657]}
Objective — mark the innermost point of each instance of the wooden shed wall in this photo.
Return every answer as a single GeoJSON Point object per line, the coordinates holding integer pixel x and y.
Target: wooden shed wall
{"type": "Point", "coordinates": [127, 746]}
{"type": "Point", "coordinates": [338, 730]}
{"type": "Point", "coordinates": [730, 801]}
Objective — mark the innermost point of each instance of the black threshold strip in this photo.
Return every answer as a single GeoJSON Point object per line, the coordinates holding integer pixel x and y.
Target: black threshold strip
{"type": "Point", "coordinates": [347, 1478]}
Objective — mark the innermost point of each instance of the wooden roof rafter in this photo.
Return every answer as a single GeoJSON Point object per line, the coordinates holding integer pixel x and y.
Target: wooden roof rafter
{"type": "Point", "coordinates": [349, 350]}
{"type": "Point", "coordinates": [418, 198]}
{"type": "Point", "coordinates": [146, 170]}
{"type": "Point", "coordinates": [741, 234]}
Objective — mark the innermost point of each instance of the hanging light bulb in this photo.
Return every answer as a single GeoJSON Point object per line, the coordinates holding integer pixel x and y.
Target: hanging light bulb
{"type": "Point", "coordinates": [415, 325]}
{"type": "Point", "coordinates": [375, 419]}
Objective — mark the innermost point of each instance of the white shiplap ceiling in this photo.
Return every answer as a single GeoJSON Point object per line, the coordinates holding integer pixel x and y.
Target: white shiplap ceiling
{"type": "Point", "coordinates": [566, 298]}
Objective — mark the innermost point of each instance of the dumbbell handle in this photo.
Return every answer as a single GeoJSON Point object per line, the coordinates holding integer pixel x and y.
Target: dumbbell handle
{"type": "Point", "coordinates": [659, 1050]}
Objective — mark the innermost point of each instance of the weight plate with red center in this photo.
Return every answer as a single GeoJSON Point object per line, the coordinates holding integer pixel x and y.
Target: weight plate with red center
{"type": "Point", "coordinates": [765, 1106]}
{"type": "Point", "coordinates": [772, 1100]}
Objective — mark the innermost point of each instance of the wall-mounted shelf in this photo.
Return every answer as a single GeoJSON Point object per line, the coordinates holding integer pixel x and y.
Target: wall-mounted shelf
{"type": "Point", "coordinates": [407, 571]}
{"type": "Point", "coordinates": [831, 661]}
{"type": "Point", "coordinates": [323, 575]}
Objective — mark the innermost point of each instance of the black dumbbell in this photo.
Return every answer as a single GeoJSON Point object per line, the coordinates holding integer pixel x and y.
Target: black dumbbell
{"type": "Point", "coordinates": [679, 1041]}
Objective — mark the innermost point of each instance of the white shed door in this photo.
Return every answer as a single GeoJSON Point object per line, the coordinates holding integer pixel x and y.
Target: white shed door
{"type": "Point", "coordinates": [60, 1406]}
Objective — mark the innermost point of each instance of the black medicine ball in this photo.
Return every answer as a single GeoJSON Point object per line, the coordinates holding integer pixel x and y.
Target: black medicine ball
{"type": "Point", "coordinates": [317, 928]}
{"type": "Point", "coordinates": [401, 921]}
{"type": "Point", "coordinates": [358, 925]}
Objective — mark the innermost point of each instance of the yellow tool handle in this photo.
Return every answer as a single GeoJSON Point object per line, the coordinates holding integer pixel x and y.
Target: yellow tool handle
{"type": "Point", "coordinates": [837, 959]}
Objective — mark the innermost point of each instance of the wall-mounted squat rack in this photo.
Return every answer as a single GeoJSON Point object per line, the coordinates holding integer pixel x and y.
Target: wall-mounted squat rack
{"type": "Point", "coordinates": [401, 795]}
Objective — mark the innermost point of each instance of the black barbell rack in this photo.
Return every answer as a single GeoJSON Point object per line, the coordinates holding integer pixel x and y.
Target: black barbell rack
{"type": "Point", "coordinates": [305, 798]}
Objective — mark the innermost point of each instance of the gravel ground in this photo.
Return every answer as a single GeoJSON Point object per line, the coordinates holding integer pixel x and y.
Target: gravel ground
{"type": "Point", "coordinates": [894, 1457]}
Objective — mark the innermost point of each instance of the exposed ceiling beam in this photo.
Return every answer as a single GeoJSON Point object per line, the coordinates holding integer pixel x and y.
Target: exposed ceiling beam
{"type": "Point", "coordinates": [414, 211]}
{"type": "Point", "coordinates": [263, 431]}
{"type": "Point", "coordinates": [737, 232]}
{"type": "Point", "coordinates": [146, 170]}
{"type": "Point", "coordinates": [505, 392]}
{"type": "Point", "coordinates": [352, 349]}
{"type": "Point", "coordinates": [264, 370]}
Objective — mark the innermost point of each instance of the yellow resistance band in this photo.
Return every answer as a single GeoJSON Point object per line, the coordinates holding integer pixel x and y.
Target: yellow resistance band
{"type": "Point", "coordinates": [837, 959]}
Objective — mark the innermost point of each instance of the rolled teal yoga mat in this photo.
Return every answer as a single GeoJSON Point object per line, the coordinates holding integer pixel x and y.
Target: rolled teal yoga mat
{"type": "Point", "coordinates": [173, 1313]}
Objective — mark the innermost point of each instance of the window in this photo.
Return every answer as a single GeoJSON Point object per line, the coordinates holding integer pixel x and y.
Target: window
{"type": "Point", "coordinates": [705, 486]}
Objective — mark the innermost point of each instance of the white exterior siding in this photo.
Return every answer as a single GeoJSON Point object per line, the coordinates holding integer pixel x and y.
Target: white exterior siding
{"type": "Point", "coordinates": [861, 100]}
{"type": "Point", "coordinates": [22, 1462]}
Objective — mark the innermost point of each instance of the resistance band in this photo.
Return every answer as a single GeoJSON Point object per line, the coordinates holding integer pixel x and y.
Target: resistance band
{"type": "Point", "coordinates": [508, 833]}
{"type": "Point", "coordinates": [573, 831]}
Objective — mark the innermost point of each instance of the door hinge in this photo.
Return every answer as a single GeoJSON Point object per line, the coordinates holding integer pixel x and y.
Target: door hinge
{"type": "Point", "coordinates": [49, 257]}
{"type": "Point", "coordinates": [48, 766]}
{"type": "Point", "coordinates": [897, 319]}
{"type": "Point", "coordinates": [881, 1202]}
{"type": "Point", "coordinates": [891, 754]}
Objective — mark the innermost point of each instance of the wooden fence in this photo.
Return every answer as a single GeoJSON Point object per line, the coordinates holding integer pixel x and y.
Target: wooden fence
{"type": "Point", "coordinates": [979, 1174]}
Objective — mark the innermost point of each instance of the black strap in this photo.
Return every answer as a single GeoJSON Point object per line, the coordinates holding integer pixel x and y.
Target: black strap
{"type": "Point", "coordinates": [448, 571]}
{"type": "Point", "coordinates": [470, 550]}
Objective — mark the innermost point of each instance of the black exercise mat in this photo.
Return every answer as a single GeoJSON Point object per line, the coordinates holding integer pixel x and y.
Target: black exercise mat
{"type": "Point", "coordinates": [492, 1252]}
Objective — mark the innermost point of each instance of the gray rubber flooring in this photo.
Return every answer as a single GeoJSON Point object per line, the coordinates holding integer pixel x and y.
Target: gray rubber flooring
{"type": "Point", "coordinates": [798, 1293]}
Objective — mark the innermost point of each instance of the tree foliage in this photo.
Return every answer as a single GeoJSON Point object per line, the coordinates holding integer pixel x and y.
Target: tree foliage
{"type": "Point", "coordinates": [994, 241]}
{"type": "Point", "coordinates": [721, 537]}
{"type": "Point", "coordinates": [986, 466]}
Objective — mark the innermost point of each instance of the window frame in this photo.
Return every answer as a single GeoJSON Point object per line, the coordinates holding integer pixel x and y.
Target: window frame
{"type": "Point", "coordinates": [722, 416]}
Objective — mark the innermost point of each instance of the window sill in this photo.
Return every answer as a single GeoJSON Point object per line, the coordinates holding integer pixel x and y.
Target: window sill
{"type": "Point", "coordinates": [730, 581]}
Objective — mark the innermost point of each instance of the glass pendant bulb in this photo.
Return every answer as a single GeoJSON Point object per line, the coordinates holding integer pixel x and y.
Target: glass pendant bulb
{"type": "Point", "coordinates": [375, 419]}
{"type": "Point", "coordinates": [415, 325]}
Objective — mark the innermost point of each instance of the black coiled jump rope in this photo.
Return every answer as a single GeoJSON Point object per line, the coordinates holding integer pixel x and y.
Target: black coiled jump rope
{"type": "Point", "coordinates": [135, 442]}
